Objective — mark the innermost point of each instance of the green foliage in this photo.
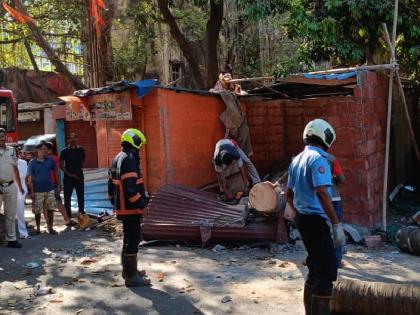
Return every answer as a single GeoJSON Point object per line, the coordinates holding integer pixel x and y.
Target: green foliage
{"type": "Point", "coordinates": [60, 22]}
{"type": "Point", "coordinates": [132, 41]}
{"type": "Point", "coordinates": [348, 31]}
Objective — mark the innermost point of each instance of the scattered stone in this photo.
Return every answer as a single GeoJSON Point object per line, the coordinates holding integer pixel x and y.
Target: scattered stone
{"type": "Point", "coordinates": [291, 275]}
{"type": "Point", "coordinates": [80, 311]}
{"type": "Point", "coordinates": [217, 248]}
{"type": "Point", "coordinates": [32, 265]}
{"type": "Point", "coordinates": [226, 299]}
{"type": "Point", "coordinates": [41, 289]}
{"type": "Point", "coordinates": [373, 241]}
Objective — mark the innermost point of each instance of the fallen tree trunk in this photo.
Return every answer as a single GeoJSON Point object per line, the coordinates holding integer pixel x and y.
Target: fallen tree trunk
{"type": "Point", "coordinates": [354, 297]}
{"type": "Point", "coordinates": [408, 240]}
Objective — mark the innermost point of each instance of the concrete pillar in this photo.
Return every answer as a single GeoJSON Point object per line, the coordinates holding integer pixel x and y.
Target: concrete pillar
{"type": "Point", "coordinates": [49, 121]}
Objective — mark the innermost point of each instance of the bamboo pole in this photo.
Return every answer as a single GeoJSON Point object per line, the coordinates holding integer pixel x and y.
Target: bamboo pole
{"type": "Point", "coordinates": [388, 120]}
{"type": "Point", "coordinates": [387, 66]}
{"type": "Point", "coordinates": [252, 79]}
{"type": "Point", "coordinates": [402, 94]}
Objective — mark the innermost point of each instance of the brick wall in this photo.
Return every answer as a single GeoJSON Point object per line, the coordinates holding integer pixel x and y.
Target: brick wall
{"type": "Point", "coordinates": [267, 126]}
{"type": "Point", "coordinates": [276, 129]}
{"type": "Point", "coordinates": [86, 135]}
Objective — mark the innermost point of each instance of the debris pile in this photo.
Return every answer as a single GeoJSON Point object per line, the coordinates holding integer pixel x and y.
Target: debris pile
{"type": "Point", "coordinates": [112, 226]}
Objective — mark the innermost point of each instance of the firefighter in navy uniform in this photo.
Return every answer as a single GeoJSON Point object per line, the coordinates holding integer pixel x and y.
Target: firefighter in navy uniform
{"type": "Point", "coordinates": [128, 197]}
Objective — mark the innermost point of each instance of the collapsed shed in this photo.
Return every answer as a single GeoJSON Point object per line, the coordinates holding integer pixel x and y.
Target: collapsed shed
{"type": "Point", "coordinates": [182, 127]}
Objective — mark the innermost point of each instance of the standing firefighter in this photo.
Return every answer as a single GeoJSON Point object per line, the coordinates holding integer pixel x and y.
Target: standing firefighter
{"type": "Point", "coordinates": [127, 195]}
{"type": "Point", "coordinates": [309, 192]}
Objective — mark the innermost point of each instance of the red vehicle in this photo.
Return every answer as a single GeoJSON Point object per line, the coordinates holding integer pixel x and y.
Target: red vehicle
{"type": "Point", "coordinates": [8, 115]}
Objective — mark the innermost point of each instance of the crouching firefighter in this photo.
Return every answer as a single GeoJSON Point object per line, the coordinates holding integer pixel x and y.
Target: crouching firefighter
{"type": "Point", "coordinates": [128, 197]}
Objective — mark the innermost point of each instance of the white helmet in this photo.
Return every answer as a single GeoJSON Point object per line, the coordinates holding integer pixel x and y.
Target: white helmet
{"type": "Point", "coordinates": [320, 130]}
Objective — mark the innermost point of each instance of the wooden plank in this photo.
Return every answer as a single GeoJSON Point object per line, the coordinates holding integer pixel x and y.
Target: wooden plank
{"type": "Point", "coordinates": [325, 82]}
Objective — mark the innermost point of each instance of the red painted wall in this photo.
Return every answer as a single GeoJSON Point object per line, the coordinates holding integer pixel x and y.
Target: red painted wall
{"type": "Point", "coordinates": [183, 127]}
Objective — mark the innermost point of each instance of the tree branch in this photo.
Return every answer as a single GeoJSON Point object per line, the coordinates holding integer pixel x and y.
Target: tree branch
{"type": "Point", "coordinates": [52, 55]}
{"type": "Point", "coordinates": [11, 41]}
{"type": "Point", "coordinates": [183, 43]}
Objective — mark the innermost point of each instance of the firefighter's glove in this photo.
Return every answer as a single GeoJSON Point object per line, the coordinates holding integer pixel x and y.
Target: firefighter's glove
{"type": "Point", "coordinates": [339, 236]}
{"type": "Point", "coordinates": [144, 201]}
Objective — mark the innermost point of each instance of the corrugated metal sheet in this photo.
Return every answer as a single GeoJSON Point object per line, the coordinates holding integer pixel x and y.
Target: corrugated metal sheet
{"type": "Point", "coordinates": [96, 193]}
{"type": "Point", "coordinates": [182, 213]}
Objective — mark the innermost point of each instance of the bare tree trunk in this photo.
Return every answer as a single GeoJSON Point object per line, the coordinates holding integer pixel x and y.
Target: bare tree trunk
{"type": "Point", "coordinates": [98, 49]}
{"type": "Point", "coordinates": [184, 44]}
{"type": "Point", "coordinates": [213, 27]}
{"type": "Point", "coordinates": [49, 51]}
{"type": "Point", "coordinates": [38, 73]}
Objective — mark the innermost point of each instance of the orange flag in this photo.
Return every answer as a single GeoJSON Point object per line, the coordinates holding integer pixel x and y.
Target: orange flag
{"type": "Point", "coordinates": [100, 3]}
{"type": "Point", "coordinates": [98, 19]}
{"type": "Point", "coordinates": [18, 16]}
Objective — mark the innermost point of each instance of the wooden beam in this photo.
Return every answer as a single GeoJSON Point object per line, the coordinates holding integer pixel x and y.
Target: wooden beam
{"type": "Point", "coordinates": [252, 79]}
{"type": "Point", "coordinates": [324, 82]}
{"type": "Point", "coordinates": [388, 120]}
{"type": "Point", "coordinates": [357, 68]}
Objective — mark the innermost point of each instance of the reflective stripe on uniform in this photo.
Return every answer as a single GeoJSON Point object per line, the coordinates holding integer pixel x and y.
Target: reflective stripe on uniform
{"type": "Point", "coordinates": [129, 175]}
{"type": "Point", "coordinates": [116, 182]}
{"type": "Point", "coordinates": [134, 198]}
{"type": "Point", "coordinates": [139, 181]}
{"type": "Point", "coordinates": [122, 199]}
{"type": "Point", "coordinates": [129, 211]}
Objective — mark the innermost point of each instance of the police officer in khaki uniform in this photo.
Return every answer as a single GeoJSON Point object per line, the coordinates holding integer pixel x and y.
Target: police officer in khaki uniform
{"type": "Point", "coordinates": [9, 175]}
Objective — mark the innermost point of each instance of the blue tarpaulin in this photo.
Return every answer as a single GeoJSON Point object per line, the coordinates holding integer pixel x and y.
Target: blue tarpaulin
{"type": "Point", "coordinates": [332, 76]}
{"type": "Point", "coordinates": [144, 86]}
{"type": "Point", "coordinates": [96, 194]}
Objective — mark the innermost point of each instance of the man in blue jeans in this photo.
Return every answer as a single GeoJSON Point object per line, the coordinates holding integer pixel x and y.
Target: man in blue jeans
{"type": "Point", "coordinates": [309, 193]}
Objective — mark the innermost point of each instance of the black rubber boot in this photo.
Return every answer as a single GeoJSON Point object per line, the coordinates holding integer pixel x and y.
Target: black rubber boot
{"type": "Point", "coordinates": [142, 273]}
{"type": "Point", "coordinates": [321, 305]}
{"type": "Point", "coordinates": [132, 277]}
{"type": "Point", "coordinates": [307, 298]}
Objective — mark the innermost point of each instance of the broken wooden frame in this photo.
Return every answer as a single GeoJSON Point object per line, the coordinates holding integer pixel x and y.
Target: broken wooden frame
{"type": "Point", "coordinates": [394, 72]}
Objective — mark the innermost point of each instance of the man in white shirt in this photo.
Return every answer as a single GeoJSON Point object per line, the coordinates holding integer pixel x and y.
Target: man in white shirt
{"type": "Point", "coordinates": [20, 209]}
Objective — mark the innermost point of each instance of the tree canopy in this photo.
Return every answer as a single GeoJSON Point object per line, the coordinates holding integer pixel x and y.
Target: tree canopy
{"type": "Point", "coordinates": [254, 37]}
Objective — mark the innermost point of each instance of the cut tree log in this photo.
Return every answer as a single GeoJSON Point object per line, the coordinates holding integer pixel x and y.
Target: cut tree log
{"type": "Point", "coordinates": [357, 297]}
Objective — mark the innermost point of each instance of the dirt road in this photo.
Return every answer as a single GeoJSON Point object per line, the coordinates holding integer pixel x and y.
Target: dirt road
{"type": "Point", "coordinates": [83, 270]}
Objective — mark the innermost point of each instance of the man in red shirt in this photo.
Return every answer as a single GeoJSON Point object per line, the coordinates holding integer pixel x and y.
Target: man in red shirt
{"type": "Point", "coordinates": [60, 206]}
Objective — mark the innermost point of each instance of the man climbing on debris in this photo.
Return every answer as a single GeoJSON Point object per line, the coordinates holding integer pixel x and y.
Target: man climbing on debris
{"type": "Point", "coordinates": [226, 152]}
{"type": "Point", "coordinates": [128, 196]}
{"type": "Point", "coordinates": [309, 186]}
